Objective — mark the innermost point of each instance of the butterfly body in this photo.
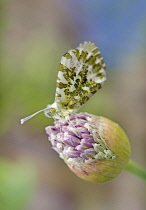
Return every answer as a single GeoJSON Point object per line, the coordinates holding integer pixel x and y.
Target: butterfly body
{"type": "Point", "coordinates": [81, 74]}
{"type": "Point", "coordinates": [55, 112]}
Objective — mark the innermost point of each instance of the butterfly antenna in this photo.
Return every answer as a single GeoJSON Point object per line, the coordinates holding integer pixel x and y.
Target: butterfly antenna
{"type": "Point", "coordinates": [30, 116]}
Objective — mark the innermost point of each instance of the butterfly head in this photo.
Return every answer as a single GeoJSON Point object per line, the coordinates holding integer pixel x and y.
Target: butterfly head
{"type": "Point", "coordinates": [51, 111]}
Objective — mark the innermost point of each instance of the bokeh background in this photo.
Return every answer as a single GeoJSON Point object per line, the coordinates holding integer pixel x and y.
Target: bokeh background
{"type": "Point", "coordinates": [34, 36]}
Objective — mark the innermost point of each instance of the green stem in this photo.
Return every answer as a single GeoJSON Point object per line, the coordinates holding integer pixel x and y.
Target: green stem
{"type": "Point", "coordinates": [136, 169]}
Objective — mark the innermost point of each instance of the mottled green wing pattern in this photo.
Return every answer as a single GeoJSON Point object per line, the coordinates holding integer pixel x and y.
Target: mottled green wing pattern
{"type": "Point", "coordinates": [81, 74]}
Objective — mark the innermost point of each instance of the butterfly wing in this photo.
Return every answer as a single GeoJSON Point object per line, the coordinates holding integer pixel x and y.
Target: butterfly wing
{"type": "Point", "coordinates": [81, 75]}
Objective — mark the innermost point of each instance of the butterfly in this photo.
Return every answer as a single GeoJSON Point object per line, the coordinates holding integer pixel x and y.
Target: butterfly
{"type": "Point", "coordinates": [81, 74]}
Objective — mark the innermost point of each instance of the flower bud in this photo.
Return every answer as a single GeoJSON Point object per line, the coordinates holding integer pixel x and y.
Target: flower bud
{"type": "Point", "coordinates": [95, 148]}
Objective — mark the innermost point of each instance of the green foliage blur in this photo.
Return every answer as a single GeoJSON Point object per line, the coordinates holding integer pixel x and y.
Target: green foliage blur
{"type": "Point", "coordinates": [16, 185]}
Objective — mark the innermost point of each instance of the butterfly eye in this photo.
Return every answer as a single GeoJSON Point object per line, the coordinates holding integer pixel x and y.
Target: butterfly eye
{"type": "Point", "coordinates": [52, 110]}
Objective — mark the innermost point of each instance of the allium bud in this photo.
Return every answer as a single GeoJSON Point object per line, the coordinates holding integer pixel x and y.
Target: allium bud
{"type": "Point", "coordinates": [95, 148]}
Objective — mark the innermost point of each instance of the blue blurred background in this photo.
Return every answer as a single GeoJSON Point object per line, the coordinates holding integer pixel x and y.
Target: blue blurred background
{"type": "Point", "coordinates": [34, 36]}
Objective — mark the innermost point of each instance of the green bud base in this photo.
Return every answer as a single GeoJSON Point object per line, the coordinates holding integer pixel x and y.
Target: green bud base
{"type": "Point", "coordinates": [136, 169]}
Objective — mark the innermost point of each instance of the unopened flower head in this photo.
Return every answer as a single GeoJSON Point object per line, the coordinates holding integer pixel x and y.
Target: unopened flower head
{"type": "Point", "coordinates": [95, 148]}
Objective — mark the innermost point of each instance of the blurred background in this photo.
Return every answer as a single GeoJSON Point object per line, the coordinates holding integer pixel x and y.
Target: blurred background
{"type": "Point", "coordinates": [34, 36]}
